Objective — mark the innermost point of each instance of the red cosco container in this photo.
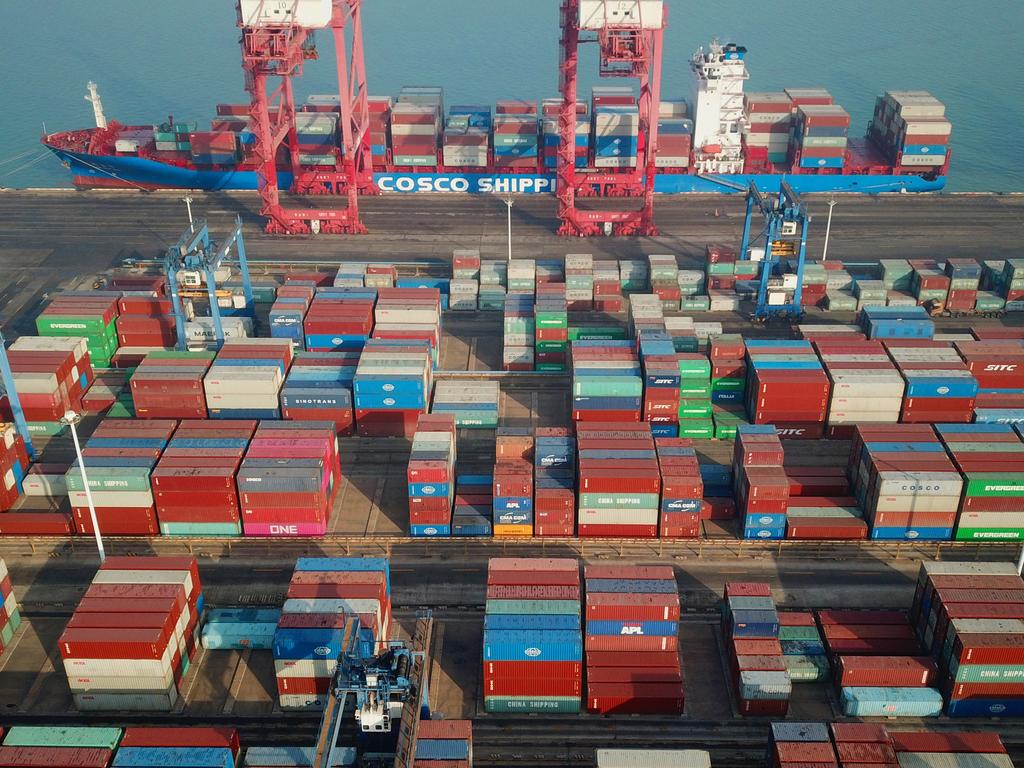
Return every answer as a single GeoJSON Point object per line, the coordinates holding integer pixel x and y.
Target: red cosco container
{"type": "Point", "coordinates": [884, 671]}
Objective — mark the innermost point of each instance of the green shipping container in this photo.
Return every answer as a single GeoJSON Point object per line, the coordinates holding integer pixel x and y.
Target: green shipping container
{"type": "Point", "coordinates": [70, 325]}
{"type": "Point", "coordinates": [550, 367]}
{"type": "Point", "coordinates": [799, 633]}
{"type": "Point", "coordinates": [721, 269]}
{"type": "Point", "coordinates": [607, 386]}
{"type": "Point", "coordinates": [46, 428]}
{"type": "Point", "coordinates": [697, 429]}
{"type": "Point", "coordinates": [7, 634]}
{"type": "Point", "coordinates": [109, 478]}
{"type": "Point", "coordinates": [990, 534]}
{"type": "Point", "coordinates": [690, 389]}
{"type": "Point", "coordinates": [534, 607]}
{"type": "Point", "coordinates": [686, 343]}
{"type": "Point", "coordinates": [990, 485]}
{"type": "Point", "coordinates": [557, 704]}
{"type": "Point", "coordinates": [82, 737]}
{"type": "Point", "coordinates": [200, 529]}
{"type": "Point", "coordinates": [596, 332]}
{"type": "Point", "coordinates": [694, 409]}
{"type": "Point", "coordinates": [989, 303]}
{"type": "Point", "coordinates": [990, 673]}
{"type": "Point", "coordinates": [695, 304]}
{"type": "Point", "coordinates": [728, 385]}
{"type": "Point", "coordinates": [551, 346]}
{"type": "Point", "coordinates": [807, 669]}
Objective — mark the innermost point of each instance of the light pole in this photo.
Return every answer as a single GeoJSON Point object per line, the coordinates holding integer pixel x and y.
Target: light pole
{"type": "Point", "coordinates": [187, 200]}
{"type": "Point", "coordinates": [1020, 561]}
{"type": "Point", "coordinates": [71, 419]}
{"type": "Point", "coordinates": [508, 202]}
{"type": "Point", "coordinates": [828, 229]}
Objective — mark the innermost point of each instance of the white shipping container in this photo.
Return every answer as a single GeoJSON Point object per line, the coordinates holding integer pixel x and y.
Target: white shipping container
{"type": "Point", "coordinates": [946, 484]}
{"type": "Point", "coordinates": [262, 402]}
{"type": "Point", "coordinates": [922, 160]}
{"type": "Point", "coordinates": [992, 519]}
{"type": "Point", "coordinates": [121, 683]}
{"type": "Point", "coordinates": [302, 702]}
{"type": "Point", "coordinates": [652, 758]}
{"type": "Point", "coordinates": [129, 702]}
{"type": "Point", "coordinates": [35, 383]}
{"type": "Point", "coordinates": [113, 499]}
{"type": "Point", "coordinates": [110, 576]}
{"type": "Point", "coordinates": [944, 568]}
{"type": "Point", "coordinates": [953, 760]}
{"type": "Point", "coordinates": [120, 667]}
{"type": "Point", "coordinates": [305, 667]}
{"type": "Point", "coordinates": [623, 516]}
{"type": "Point", "coordinates": [916, 503]}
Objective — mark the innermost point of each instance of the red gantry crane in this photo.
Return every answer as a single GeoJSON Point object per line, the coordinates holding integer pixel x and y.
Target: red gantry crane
{"type": "Point", "coordinates": [277, 39]}
{"type": "Point", "coordinates": [629, 34]}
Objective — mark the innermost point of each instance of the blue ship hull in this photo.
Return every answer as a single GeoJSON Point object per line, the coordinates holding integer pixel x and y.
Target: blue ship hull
{"type": "Point", "coordinates": [131, 171]}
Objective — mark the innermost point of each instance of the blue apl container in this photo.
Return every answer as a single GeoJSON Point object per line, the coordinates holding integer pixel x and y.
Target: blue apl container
{"type": "Point", "coordinates": [630, 628]}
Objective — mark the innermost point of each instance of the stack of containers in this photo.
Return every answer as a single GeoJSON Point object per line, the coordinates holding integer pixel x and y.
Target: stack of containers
{"type": "Point", "coordinates": [109, 395]}
{"type": "Point", "coordinates": [90, 315]}
{"type": "Point", "coordinates": [512, 483]}
{"type": "Point", "coordinates": [619, 481]}
{"type": "Point", "coordinates": [522, 276]}
{"type": "Point", "coordinates": [554, 478]}
{"type": "Point", "coordinates": [339, 319]}
{"type": "Point", "coordinates": [473, 404]}
{"type": "Point", "coordinates": [607, 287]}
{"type": "Point", "coordinates": [464, 143]}
{"type": "Point", "coordinates": [797, 744]}
{"type": "Point", "coordinates": [645, 313]}
{"type": "Point", "coordinates": [474, 505]}
{"type": "Point", "coordinates": [820, 505]}
{"type": "Point", "coordinates": [516, 142]}
{"type": "Point", "coordinates": [750, 623]}
{"type": "Point", "coordinates": [579, 282]}
{"type": "Point", "coordinates": [787, 387]}
{"type": "Point", "coordinates": [552, 139]}
{"type": "Point", "coordinates": [950, 748]}
{"type": "Point", "coordinates": [991, 459]}
{"type": "Point", "coordinates": [661, 382]}
{"type": "Point", "coordinates": [335, 606]}
{"type": "Point", "coordinates": [911, 127]}
{"type": "Point", "coordinates": [392, 387]}
{"type": "Point", "coordinates": [316, 135]}
{"type": "Point", "coordinates": [217, 147]}
{"type": "Point", "coordinates": [319, 388]}
{"type": "Point", "coordinates": [194, 487]}
{"type": "Point", "coordinates": [998, 365]}
{"type": "Point", "coordinates": [928, 283]}
{"type": "Point", "coordinates": [519, 333]}
{"type": "Point", "coordinates": [289, 478]}
{"type": "Point", "coordinates": [119, 457]}
{"type": "Point", "coordinates": [288, 312]}
{"type": "Point", "coordinates": [857, 743]}
{"type": "Point", "coordinates": [10, 615]}
{"type": "Point", "coordinates": [409, 315]}
{"type": "Point", "coordinates": [119, 657]}
{"type": "Point", "coordinates": [866, 387]}
{"type": "Point", "coordinates": [970, 618]}
{"type": "Point", "coordinates": [169, 385]}
{"type": "Point", "coordinates": [493, 279]}
{"type": "Point", "coordinates": [802, 647]}
{"type": "Point", "coordinates": [675, 142]}
{"type": "Point", "coordinates": [615, 136]}
{"type": "Point", "coordinates": [551, 316]}
{"type": "Point", "coordinates": [728, 371]}
{"type": "Point", "coordinates": [904, 482]}
{"type": "Point", "coordinates": [769, 116]}
{"type": "Point", "coordinates": [1011, 284]}
{"type": "Point", "coordinates": [964, 279]}
{"type": "Point", "coordinates": [695, 409]}
{"type": "Point", "coordinates": [633, 275]}
{"type": "Point", "coordinates": [431, 476]}
{"type": "Point", "coordinates": [244, 381]}
{"type": "Point", "coordinates": [664, 273]}
{"type": "Point", "coordinates": [606, 381]}
{"type": "Point", "coordinates": [720, 266]}
{"type": "Point", "coordinates": [533, 645]}
{"type": "Point", "coordinates": [869, 294]}
{"type": "Point", "coordinates": [41, 745]}
{"type": "Point", "coordinates": [888, 686]}
{"type": "Point", "coordinates": [380, 125]}
{"type": "Point", "coordinates": [148, 321]}
{"type": "Point", "coordinates": [940, 388]}
{"type": "Point", "coordinates": [880, 322]}
{"type": "Point", "coordinates": [632, 640]}
{"type": "Point", "coordinates": [172, 140]}
{"type": "Point", "coordinates": [692, 291]}
{"type": "Point", "coordinates": [682, 489]}
{"type": "Point", "coordinates": [50, 377]}
{"type": "Point", "coordinates": [761, 484]}
{"type": "Point", "coordinates": [416, 129]}
{"type": "Point", "coordinates": [818, 136]}
{"type": "Point", "coordinates": [444, 742]}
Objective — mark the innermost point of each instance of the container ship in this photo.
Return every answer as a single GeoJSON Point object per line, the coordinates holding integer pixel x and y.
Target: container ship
{"type": "Point", "coordinates": [717, 139]}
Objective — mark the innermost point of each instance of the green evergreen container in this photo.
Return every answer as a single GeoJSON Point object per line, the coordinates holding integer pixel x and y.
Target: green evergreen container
{"type": "Point", "coordinates": [722, 268]}
{"type": "Point", "coordinates": [550, 367]}
{"type": "Point", "coordinates": [596, 332]}
{"type": "Point", "coordinates": [46, 428]}
{"type": "Point", "coordinates": [551, 346]}
{"type": "Point", "coordinates": [994, 484]}
{"type": "Point", "coordinates": [694, 409]}
{"type": "Point", "coordinates": [697, 429]}
{"type": "Point", "coordinates": [989, 534]}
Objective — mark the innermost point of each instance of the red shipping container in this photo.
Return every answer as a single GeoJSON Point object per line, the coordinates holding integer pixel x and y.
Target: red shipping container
{"type": "Point", "coordinates": [509, 685]}
{"type": "Point", "coordinates": [648, 698]}
{"type": "Point", "coordinates": [763, 708]}
{"type": "Point", "coordinates": [309, 686]}
{"type": "Point", "coordinates": [804, 752]}
{"type": "Point", "coordinates": [618, 531]}
{"type": "Point", "coordinates": [555, 670]}
{"type": "Point", "coordinates": [55, 757]}
{"type": "Point", "coordinates": [633, 643]}
{"type": "Point", "coordinates": [742, 646]}
{"type": "Point", "coordinates": [981, 743]}
{"type": "Point", "coordinates": [197, 736]}
{"type": "Point", "coordinates": [862, 733]}
{"type": "Point", "coordinates": [905, 672]}
{"type": "Point", "coordinates": [96, 643]}
{"type": "Point", "coordinates": [856, 617]}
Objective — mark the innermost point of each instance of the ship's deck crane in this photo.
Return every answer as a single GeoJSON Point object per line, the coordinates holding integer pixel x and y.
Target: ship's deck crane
{"type": "Point", "coordinates": [630, 36]}
{"type": "Point", "coordinates": [785, 236]}
{"type": "Point", "coordinates": [13, 400]}
{"type": "Point", "coordinates": [277, 39]}
{"type": "Point", "coordinates": [197, 251]}
{"type": "Point", "coordinates": [378, 687]}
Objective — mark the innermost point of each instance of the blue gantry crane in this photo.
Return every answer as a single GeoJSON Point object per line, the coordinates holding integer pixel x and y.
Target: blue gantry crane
{"type": "Point", "coordinates": [196, 251]}
{"type": "Point", "coordinates": [383, 694]}
{"type": "Point", "coordinates": [13, 400]}
{"type": "Point", "coordinates": [784, 236]}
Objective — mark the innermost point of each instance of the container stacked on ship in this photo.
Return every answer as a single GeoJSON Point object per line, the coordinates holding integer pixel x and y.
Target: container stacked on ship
{"type": "Point", "coordinates": [335, 606]}
{"type": "Point", "coordinates": [750, 623]}
{"type": "Point", "coordinates": [512, 482]}
{"type": "Point", "coordinates": [760, 483]}
{"type": "Point", "coordinates": [619, 480]}
{"type": "Point", "coordinates": [431, 476]}
{"type": "Point", "coordinates": [118, 656]}
{"type": "Point", "coordinates": [533, 645]}
{"type": "Point", "coordinates": [10, 615]}
{"type": "Point", "coordinates": [554, 478]}
{"type": "Point", "coordinates": [444, 742]}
